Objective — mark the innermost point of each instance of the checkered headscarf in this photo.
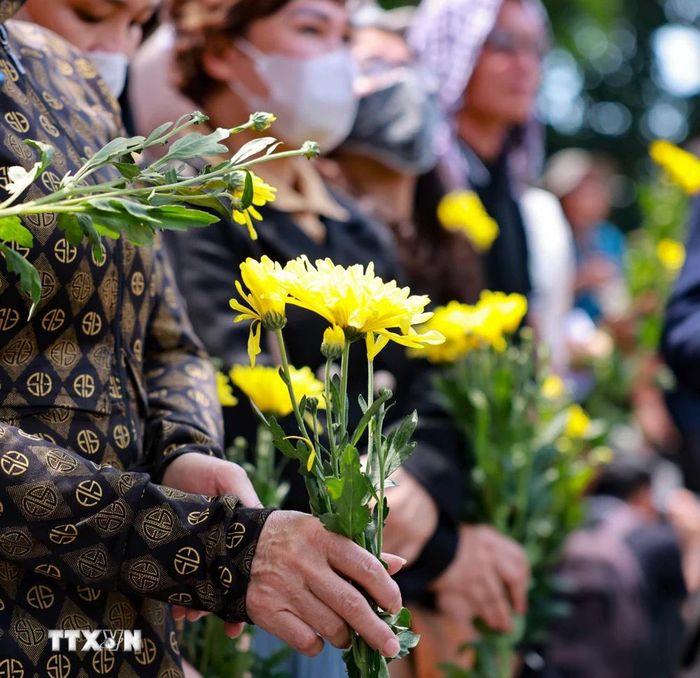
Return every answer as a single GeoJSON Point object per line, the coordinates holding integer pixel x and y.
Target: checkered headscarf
{"type": "Point", "coordinates": [447, 37]}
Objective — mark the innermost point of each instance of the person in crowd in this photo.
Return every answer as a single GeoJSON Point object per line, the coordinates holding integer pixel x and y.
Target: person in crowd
{"type": "Point", "coordinates": [485, 61]}
{"type": "Point", "coordinates": [116, 500]}
{"type": "Point", "coordinates": [240, 56]}
{"type": "Point", "coordinates": [624, 586]}
{"type": "Point", "coordinates": [581, 181]}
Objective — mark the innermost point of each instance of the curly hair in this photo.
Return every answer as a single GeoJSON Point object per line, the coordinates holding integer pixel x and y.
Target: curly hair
{"type": "Point", "coordinates": [210, 24]}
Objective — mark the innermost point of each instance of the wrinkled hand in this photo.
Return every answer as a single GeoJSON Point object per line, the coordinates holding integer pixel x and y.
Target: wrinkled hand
{"type": "Point", "coordinates": [201, 474]}
{"type": "Point", "coordinates": [489, 576]}
{"type": "Point", "coordinates": [413, 517]}
{"type": "Point", "coordinates": [299, 589]}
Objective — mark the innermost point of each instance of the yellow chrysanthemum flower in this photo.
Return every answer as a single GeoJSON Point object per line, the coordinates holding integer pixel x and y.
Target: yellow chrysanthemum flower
{"type": "Point", "coordinates": [511, 308]}
{"type": "Point", "coordinates": [463, 211]}
{"type": "Point", "coordinates": [577, 422]}
{"type": "Point", "coordinates": [266, 300]}
{"type": "Point", "coordinates": [466, 327]}
{"type": "Point", "coordinates": [265, 388]}
{"type": "Point", "coordinates": [262, 194]}
{"type": "Point", "coordinates": [360, 303]}
{"type": "Point", "coordinates": [553, 387]}
{"type": "Point", "coordinates": [671, 254]}
{"type": "Point", "coordinates": [682, 167]}
{"type": "Point", "coordinates": [224, 390]}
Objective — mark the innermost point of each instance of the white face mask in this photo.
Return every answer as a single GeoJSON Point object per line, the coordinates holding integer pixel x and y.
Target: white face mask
{"type": "Point", "coordinates": [112, 67]}
{"type": "Point", "coordinates": [312, 98]}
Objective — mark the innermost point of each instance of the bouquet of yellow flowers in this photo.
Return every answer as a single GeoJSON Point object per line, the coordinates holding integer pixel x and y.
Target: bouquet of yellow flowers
{"type": "Point", "coordinates": [529, 450]}
{"type": "Point", "coordinates": [345, 492]}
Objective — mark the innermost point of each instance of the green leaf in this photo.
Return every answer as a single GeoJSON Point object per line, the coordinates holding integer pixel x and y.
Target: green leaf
{"type": "Point", "coordinates": [12, 230]}
{"type": "Point", "coordinates": [399, 445]}
{"type": "Point", "coordinates": [177, 218]}
{"type": "Point", "coordinates": [248, 191]}
{"type": "Point", "coordinates": [154, 137]}
{"type": "Point", "coordinates": [252, 148]}
{"type": "Point", "coordinates": [196, 145]}
{"type": "Point", "coordinates": [113, 151]}
{"type": "Point", "coordinates": [29, 279]}
{"type": "Point", "coordinates": [350, 494]}
{"type": "Point", "coordinates": [127, 169]}
{"type": "Point", "coordinates": [46, 153]}
{"type": "Point", "coordinates": [368, 414]}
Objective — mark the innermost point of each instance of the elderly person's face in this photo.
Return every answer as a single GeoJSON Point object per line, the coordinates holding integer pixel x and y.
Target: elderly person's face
{"type": "Point", "coordinates": [95, 25]}
{"type": "Point", "coordinates": [505, 81]}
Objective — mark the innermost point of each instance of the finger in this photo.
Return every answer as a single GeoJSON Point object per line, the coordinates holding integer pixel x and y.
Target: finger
{"type": "Point", "coordinates": [496, 611]}
{"type": "Point", "coordinates": [233, 630]}
{"type": "Point", "coordinates": [346, 601]}
{"type": "Point", "coordinates": [394, 563]}
{"type": "Point", "coordinates": [515, 582]}
{"type": "Point", "coordinates": [296, 633]}
{"type": "Point", "coordinates": [320, 617]}
{"type": "Point", "coordinates": [363, 568]}
{"type": "Point", "coordinates": [195, 615]}
{"type": "Point", "coordinates": [179, 612]}
{"type": "Point", "coordinates": [232, 479]}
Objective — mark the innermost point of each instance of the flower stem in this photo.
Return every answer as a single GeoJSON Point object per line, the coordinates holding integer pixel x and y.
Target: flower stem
{"type": "Point", "coordinates": [344, 366]}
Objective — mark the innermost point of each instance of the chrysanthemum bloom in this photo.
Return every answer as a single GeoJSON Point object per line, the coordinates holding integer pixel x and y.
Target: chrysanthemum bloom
{"type": "Point", "coordinates": [682, 167]}
{"type": "Point", "coordinates": [577, 422]}
{"type": "Point", "coordinates": [463, 211]}
{"type": "Point", "coordinates": [671, 254]}
{"type": "Point", "coordinates": [266, 300]}
{"type": "Point", "coordinates": [262, 194]}
{"type": "Point", "coordinates": [511, 308]}
{"type": "Point", "coordinates": [553, 387]}
{"type": "Point", "coordinates": [224, 391]}
{"type": "Point", "coordinates": [360, 303]}
{"type": "Point", "coordinates": [268, 392]}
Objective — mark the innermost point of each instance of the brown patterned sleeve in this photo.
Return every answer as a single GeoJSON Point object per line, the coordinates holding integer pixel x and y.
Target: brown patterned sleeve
{"type": "Point", "coordinates": [184, 414]}
{"type": "Point", "coordinates": [85, 524]}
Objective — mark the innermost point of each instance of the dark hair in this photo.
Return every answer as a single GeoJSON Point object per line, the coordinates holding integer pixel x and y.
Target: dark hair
{"type": "Point", "coordinates": [623, 478]}
{"type": "Point", "coordinates": [210, 24]}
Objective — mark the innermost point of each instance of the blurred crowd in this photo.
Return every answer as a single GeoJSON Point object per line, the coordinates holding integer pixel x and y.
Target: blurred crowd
{"type": "Point", "coordinates": [408, 106]}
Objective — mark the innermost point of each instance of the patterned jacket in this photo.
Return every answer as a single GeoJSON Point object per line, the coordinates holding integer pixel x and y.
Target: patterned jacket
{"type": "Point", "coordinates": [98, 392]}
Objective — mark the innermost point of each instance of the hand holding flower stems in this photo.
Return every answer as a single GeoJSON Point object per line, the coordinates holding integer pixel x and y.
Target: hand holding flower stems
{"type": "Point", "coordinates": [111, 195]}
{"type": "Point", "coordinates": [357, 305]}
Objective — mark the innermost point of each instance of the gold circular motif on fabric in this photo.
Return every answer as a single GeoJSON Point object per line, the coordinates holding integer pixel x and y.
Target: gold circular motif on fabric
{"type": "Point", "coordinates": [11, 668]}
{"type": "Point", "coordinates": [148, 652]}
{"type": "Point", "coordinates": [93, 564]}
{"type": "Point", "coordinates": [14, 463]}
{"type": "Point", "coordinates": [41, 597]}
{"type": "Point", "coordinates": [88, 493]}
{"type": "Point", "coordinates": [91, 324]}
{"type": "Point", "coordinates": [40, 501]}
{"type": "Point", "coordinates": [63, 534]}
{"type": "Point", "coordinates": [186, 560]}
{"type": "Point", "coordinates": [158, 524]}
{"type": "Point", "coordinates": [144, 575]}
{"type": "Point", "coordinates": [103, 661]}
{"type": "Point", "coordinates": [17, 121]}
{"type": "Point", "coordinates": [88, 441]}
{"type": "Point", "coordinates": [9, 317]}
{"type": "Point", "coordinates": [60, 462]}
{"type": "Point", "coordinates": [39, 384]}
{"type": "Point", "coordinates": [58, 666]}
{"type": "Point", "coordinates": [53, 320]}
{"type": "Point", "coordinates": [84, 385]}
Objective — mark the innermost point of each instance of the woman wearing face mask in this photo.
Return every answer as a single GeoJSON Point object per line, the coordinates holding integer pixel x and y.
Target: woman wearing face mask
{"type": "Point", "coordinates": [290, 57]}
{"type": "Point", "coordinates": [109, 31]}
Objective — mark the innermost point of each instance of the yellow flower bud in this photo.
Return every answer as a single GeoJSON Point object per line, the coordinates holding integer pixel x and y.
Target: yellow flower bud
{"type": "Point", "coordinates": [333, 342]}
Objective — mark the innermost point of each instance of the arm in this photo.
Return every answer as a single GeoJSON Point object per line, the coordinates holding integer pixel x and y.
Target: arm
{"type": "Point", "coordinates": [681, 336]}
{"type": "Point", "coordinates": [100, 527]}
{"type": "Point", "coordinates": [183, 410]}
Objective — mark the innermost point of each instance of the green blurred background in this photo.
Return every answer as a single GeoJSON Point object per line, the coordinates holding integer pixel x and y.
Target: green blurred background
{"type": "Point", "coordinates": [622, 72]}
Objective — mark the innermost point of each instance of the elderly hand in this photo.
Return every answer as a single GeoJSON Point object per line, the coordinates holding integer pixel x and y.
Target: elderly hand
{"type": "Point", "coordinates": [299, 586]}
{"type": "Point", "coordinates": [413, 517]}
{"type": "Point", "coordinates": [489, 574]}
{"type": "Point", "coordinates": [201, 474]}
